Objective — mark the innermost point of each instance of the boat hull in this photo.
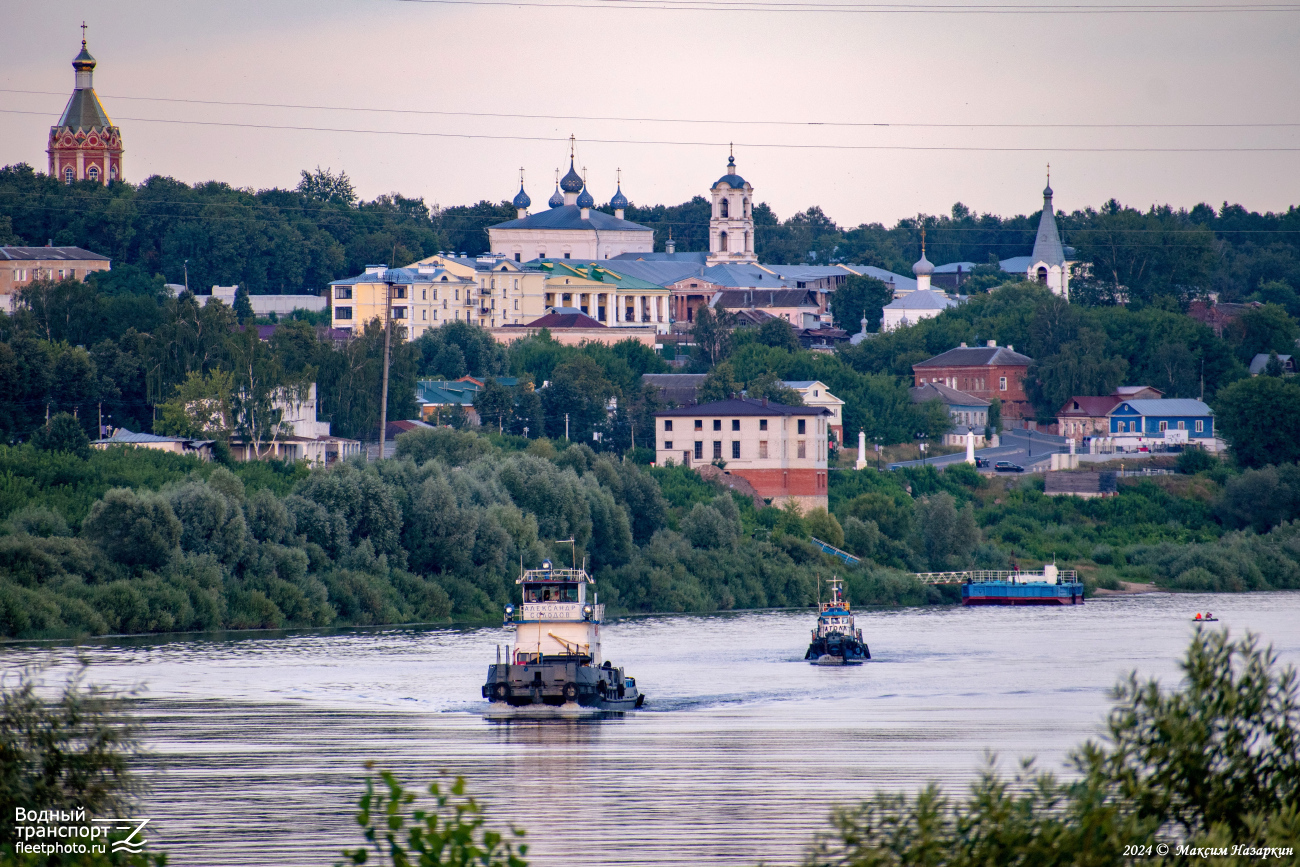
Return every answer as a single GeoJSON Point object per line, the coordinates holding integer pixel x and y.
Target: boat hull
{"type": "Point", "coordinates": [561, 684]}
{"type": "Point", "coordinates": [845, 652]}
{"type": "Point", "coordinates": [1021, 593]}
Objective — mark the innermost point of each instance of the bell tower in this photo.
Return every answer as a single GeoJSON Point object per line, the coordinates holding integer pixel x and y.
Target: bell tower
{"type": "Point", "coordinates": [84, 145]}
{"type": "Point", "coordinates": [731, 225]}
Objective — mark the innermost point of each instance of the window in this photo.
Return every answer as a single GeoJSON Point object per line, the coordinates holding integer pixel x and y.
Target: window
{"type": "Point", "coordinates": [1164, 426]}
{"type": "Point", "coordinates": [699, 424]}
{"type": "Point", "coordinates": [668, 444]}
{"type": "Point", "coordinates": [342, 312]}
{"type": "Point", "coordinates": [722, 241]}
{"type": "Point", "coordinates": [1200, 427]}
{"type": "Point", "coordinates": [762, 424]}
{"type": "Point", "coordinates": [803, 427]}
{"type": "Point", "coordinates": [717, 449]}
{"type": "Point", "coordinates": [735, 424]}
{"type": "Point", "coordinates": [762, 448]}
{"type": "Point", "coordinates": [699, 450]}
{"type": "Point", "coordinates": [424, 294]}
{"type": "Point", "coordinates": [717, 424]}
{"type": "Point", "coordinates": [1002, 383]}
{"type": "Point", "coordinates": [68, 175]}
{"type": "Point", "coordinates": [93, 173]}
{"type": "Point", "coordinates": [1042, 275]}
{"type": "Point", "coordinates": [735, 449]}
{"type": "Point", "coordinates": [516, 303]}
{"type": "Point", "coordinates": [566, 255]}
{"type": "Point", "coordinates": [458, 298]}
{"type": "Point", "coordinates": [343, 293]}
{"type": "Point", "coordinates": [668, 424]}
{"type": "Point", "coordinates": [399, 312]}
{"type": "Point", "coordinates": [517, 258]}
{"type": "Point", "coordinates": [399, 291]}
{"type": "Point", "coordinates": [725, 211]}
{"type": "Point", "coordinates": [1182, 425]}
{"type": "Point", "coordinates": [803, 450]}
{"type": "Point", "coordinates": [424, 315]}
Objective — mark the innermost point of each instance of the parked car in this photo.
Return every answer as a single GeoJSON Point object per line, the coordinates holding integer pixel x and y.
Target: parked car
{"type": "Point", "coordinates": [981, 463]}
{"type": "Point", "coordinates": [1008, 467]}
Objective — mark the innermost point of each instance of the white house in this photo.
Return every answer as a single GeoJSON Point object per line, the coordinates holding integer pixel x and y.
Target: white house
{"type": "Point", "coordinates": [915, 306]}
{"type": "Point", "coordinates": [815, 394]}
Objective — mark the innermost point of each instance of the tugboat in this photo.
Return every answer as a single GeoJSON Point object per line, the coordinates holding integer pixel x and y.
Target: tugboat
{"type": "Point", "coordinates": [556, 663]}
{"type": "Point", "coordinates": [835, 641]}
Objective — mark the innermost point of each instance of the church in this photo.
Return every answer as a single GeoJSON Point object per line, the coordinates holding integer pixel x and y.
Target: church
{"type": "Point", "coordinates": [85, 145]}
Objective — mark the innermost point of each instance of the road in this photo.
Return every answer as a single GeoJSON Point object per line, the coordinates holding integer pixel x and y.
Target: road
{"type": "Point", "coordinates": [1025, 448]}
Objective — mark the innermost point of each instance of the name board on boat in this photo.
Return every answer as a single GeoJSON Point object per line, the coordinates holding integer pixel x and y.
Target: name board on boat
{"type": "Point", "coordinates": [552, 611]}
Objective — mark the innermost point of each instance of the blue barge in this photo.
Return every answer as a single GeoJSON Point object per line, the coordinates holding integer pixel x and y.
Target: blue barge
{"type": "Point", "coordinates": [1049, 587]}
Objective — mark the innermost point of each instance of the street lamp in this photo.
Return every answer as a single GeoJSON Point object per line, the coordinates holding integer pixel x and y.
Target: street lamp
{"type": "Point", "coordinates": [921, 437]}
{"type": "Point", "coordinates": [878, 440]}
{"type": "Point", "coordinates": [1030, 434]}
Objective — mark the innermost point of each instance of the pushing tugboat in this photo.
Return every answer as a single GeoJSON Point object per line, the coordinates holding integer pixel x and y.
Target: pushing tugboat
{"type": "Point", "coordinates": [556, 661]}
{"type": "Point", "coordinates": [835, 641]}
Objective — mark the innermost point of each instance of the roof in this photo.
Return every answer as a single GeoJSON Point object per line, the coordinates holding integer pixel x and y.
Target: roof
{"type": "Point", "coordinates": [572, 182]}
{"type": "Point", "coordinates": [977, 356]}
{"type": "Point", "coordinates": [806, 272]}
{"type": "Point", "coordinates": [619, 200]}
{"type": "Point", "coordinates": [745, 277]}
{"type": "Point", "coordinates": [731, 179]}
{"type": "Point", "coordinates": [565, 317]}
{"type": "Point", "coordinates": [923, 266]}
{"type": "Point", "coordinates": [901, 282]}
{"type": "Point", "coordinates": [742, 406]}
{"type": "Point", "coordinates": [923, 299]}
{"type": "Point", "coordinates": [1124, 391]}
{"type": "Point", "coordinates": [1017, 264]}
{"type": "Point", "coordinates": [409, 424]}
{"type": "Point", "coordinates": [521, 198]}
{"type": "Point", "coordinates": [122, 435]}
{"type": "Point", "coordinates": [676, 387]}
{"type": "Point", "coordinates": [570, 217]}
{"type": "Point", "coordinates": [62, 254]}
{"type": "Point", "coordinates": [583, 270]}
{"type": "Point", "coordinates": [660, 273]}
{"type": "Point", "coordinates": [699, 258]}
{"type": "Point", "coordinates": [1260, 361]}
{"type": "Point", "coordinates": [422, 274]}
{"type": "Point", "coordinates": [736, 299]}
{"type": "Point", "coordinates": [441, 392]}
{"type": "Point", "coordinates": [1047, 244]}
{"type": "Point", "coordinates": [84, 111]}
{"type": "Point", "coordinates": [1165, 406]}
{"type": "Point", "coordinates": [1089, 406]}
{"type": "Point", "coordinates": [949, 396]}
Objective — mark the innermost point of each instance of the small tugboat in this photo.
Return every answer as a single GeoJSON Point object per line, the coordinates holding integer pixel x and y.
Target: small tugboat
{"type": "Point", "coordinates": [835, 641]}
{"type": "Point", "coordinates": [556, 663]}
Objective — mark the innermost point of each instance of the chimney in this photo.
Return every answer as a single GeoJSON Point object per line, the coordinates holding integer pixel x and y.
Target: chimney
{"type": "Point", "coordinates": [993, 343]}
{"type": "Point", "coordinates": [1010, 348]}
{"type": "Point", "coordinates": [963, 346]}
{"type": "Point", "coordinates": [764, 401]}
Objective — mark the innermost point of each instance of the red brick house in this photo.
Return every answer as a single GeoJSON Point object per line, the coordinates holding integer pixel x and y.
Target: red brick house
{"type": "Point", "coordinates": [989, 372]}
{"type": "Point", "coordinates": [780, 450]}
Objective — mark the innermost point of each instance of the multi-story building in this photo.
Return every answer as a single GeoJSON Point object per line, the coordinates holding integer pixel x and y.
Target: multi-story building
{"type": "Point", "coordinates": [988, 372]}
{"type": "Point", "coordinates": [814, 393]}
{"type": "Point", "coordinates": [19, 266]}
{"type": "Point", "coordinates": [85, 145]}
{"type": "Point", "coordinates": [507, 293]}
{"type": "Point", "coordinates": [780, 450]}
{"type": "Point", "coordinates": [967, 411]}
{"type": "Point", "coordinates": [604, 293]}
{"type": "Point", "coordinates": [419, 297]}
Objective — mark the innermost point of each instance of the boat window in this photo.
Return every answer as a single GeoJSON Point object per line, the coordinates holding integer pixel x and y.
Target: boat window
{"type": "Point", "coordinates": [550, 592]}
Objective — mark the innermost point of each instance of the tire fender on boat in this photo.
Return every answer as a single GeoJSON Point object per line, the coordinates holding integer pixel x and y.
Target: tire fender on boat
{"type": "Point", "coordinates": [570, 691]}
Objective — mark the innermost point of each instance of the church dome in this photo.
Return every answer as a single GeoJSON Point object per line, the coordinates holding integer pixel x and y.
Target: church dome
{"type": "Point", "coordinates": [557, 199]}
{"type": "Point", "coordinates": [585, 200]}
{"type": "Point", "coordinates": [731, 179]}
{"type": "Point", "coordinates": [923, 266]}
{"type": "Point", "coordinates": [84, 59]}
{"type": "Point", "coordinates": [619, 200]}
{"type": "Point", "coordinates": [572, 182]}
{"type": "Point", "coordinates": [522, 200]}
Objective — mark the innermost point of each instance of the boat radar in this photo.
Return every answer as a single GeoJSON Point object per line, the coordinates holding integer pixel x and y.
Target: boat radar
{"type": "Point", "coordinates": [556, 660]}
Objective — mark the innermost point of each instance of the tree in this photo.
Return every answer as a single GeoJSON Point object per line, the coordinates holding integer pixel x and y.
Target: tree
{"type": "Point", "coordinates": [1213, 764]}
{"type": "Point", "coordinates": [822, 525]}
{"type": "Point", "coordinates": [712, 333]}
{"type": "Point", "coordinates": [63, 434]}
{"type": "Point", "coordinates": [201, 405]}
{"type": "Point", "coordinates": [324, 186]}
{"type": "Point", "coordinates": [1274, 366]}
{"type": "Point", "coordinates": [1258, 417]}
{"type": "Point", "coordinates": [133, 529]}
{"type": "Point", "coordinates": [860, 298]}
{"type": "Point", "coordinates": [720, 384]}
{"type": "Point", "coordinates": [948, 534]}
{"type": "Point", "coordinates": [1268, 329]}
{"type": "Point", "coordinates": [243, 307]}
{"type": "Point", "coordinates": [769, 385]}
{"type": "Point", "coordinates": [493, 404]}
{"type": "Point", "coordinates": [778, 333]}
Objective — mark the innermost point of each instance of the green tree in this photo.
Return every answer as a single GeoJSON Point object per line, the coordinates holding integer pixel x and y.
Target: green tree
{"type": "Point", "coordinates": [778, 334]}
{"type": "Point", "coordinates": [1268, 329]}
{"type": "Point", "coordinates": [822, 525]}
{"type": "Point", "coordinates": [133, 529]}
{"type": "Point", "coordinates": [948, 534]}
{"type": "Point", "coordinates": [494, 403]}
{"type": "Point", "coordinates": [63, 434]}
{"type": "Point", "coordinates": [325, 186]}
{"type": "Point", "coordinates": [860, 298]}
{"type": "Point", "coordinates": [720, 384]}
{"type": "Point", "coordinates": [201, 405]}
{"type": "Point", "coordinates": [712, 334]}
{"type": "Point", "coordinates": [243, 307]}
{"type": "Point", "coordinates": [1258, 416]}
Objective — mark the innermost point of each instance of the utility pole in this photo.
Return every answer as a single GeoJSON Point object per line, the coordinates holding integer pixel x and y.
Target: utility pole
{"type": "Point", "coordinates": [566, 424]}
{"type": "Point", "coordinates": [388, 339]}
{"type": "Point", "coordinates": [101, 420]}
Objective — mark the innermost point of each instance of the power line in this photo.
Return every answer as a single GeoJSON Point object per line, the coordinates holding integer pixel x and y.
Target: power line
{"type": "Point", "coordinates": [884, 8]}
{"type": "Point", "coordinates": [670, 143]}
{"type": "Point", "coordinates": [681, 120]}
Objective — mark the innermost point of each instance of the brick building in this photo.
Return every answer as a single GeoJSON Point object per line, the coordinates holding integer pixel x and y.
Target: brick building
{"type": "Point", "coordinates": [19, 266]}
{"type": "Point", "coordinates": [988, 372]}
{"type": "Point", "coordinates": [780, 450]}
{"type": "Point", "coordinates": [85, 145]}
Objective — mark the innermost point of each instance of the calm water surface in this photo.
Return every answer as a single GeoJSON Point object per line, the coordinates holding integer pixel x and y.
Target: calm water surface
{"type": "Point", "coordinates": [259, 740]}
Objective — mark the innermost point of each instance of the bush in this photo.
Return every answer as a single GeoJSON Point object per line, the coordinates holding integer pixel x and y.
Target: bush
{"type": "Point", "coordinates": [1196, 460]}
{"type": "Point", "coordinates": [62, 433]}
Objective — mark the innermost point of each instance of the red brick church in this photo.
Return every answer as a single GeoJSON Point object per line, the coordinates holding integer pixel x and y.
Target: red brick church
{"type": "Point", "coordinates": [84, 145]}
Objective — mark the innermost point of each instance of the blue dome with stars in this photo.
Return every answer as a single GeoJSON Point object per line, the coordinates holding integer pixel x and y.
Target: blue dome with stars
{"type": "Point", "coordinates": [619, 200]}
{"type": "Point", "coordinates": [557, 199]}
{"type": "Point", "coordinates": [585, 200]}
{"type": "Point", "coordinates": [522, 200]}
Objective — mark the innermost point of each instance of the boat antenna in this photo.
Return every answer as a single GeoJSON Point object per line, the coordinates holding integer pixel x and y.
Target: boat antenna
{"type": "Point", "coordinates": [572, 542]}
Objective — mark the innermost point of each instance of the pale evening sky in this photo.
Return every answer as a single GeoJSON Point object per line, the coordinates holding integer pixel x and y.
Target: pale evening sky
{"type": "Point", "coordinates": [730, 69]}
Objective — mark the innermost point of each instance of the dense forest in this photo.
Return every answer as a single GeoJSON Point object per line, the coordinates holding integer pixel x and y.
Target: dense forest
{"type": "Point", "coordinates": [282, 241]}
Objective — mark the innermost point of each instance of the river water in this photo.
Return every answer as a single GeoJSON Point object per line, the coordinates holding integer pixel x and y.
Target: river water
{"type": "Point", "coordinates": [258, 740]}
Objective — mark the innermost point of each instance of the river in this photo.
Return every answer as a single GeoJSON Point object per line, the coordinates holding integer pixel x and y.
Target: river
{"type": "Point", "coordinates": [258, 740]}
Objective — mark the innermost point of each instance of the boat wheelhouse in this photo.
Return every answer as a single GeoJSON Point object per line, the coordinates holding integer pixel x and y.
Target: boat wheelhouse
{"type": "Point", "coordinates": [836, 641]}
{"type": "Point", "coordinates": [556, 657]}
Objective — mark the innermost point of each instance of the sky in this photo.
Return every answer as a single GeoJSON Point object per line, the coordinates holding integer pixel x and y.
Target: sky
{"type": "Point", "coordinates": [444, 86]}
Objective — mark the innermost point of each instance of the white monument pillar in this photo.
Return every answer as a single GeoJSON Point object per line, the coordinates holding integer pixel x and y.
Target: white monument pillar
{"type": "Point", "coordinates": [862, 450]}
{"type": "Point", "coordinates": [970, 446]}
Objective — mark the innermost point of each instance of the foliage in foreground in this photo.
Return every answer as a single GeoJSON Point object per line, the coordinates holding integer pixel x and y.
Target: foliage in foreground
{"type": "Point", "coordinates": [1213, 765]}
{"type": "Point", "coordinates": [452, 833]}
{"type": "Point", "coordinates": [63, 755]}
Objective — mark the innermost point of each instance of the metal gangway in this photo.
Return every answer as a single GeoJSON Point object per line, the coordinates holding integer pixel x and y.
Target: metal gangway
{"type": "Point", "coordinates": [828, 548]}
{"type": "Point", "coordinates": [980, 576]}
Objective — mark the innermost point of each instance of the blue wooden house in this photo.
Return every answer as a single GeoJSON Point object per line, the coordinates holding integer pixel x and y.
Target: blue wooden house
{"type": "Point", "coordinates": [1153, 419]}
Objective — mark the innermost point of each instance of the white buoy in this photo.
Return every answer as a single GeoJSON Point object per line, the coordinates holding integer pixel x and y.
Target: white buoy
{"type": "Point", "coordinates": [970, 446]}
{"type": "Point", "coordinates": [862, 450]}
